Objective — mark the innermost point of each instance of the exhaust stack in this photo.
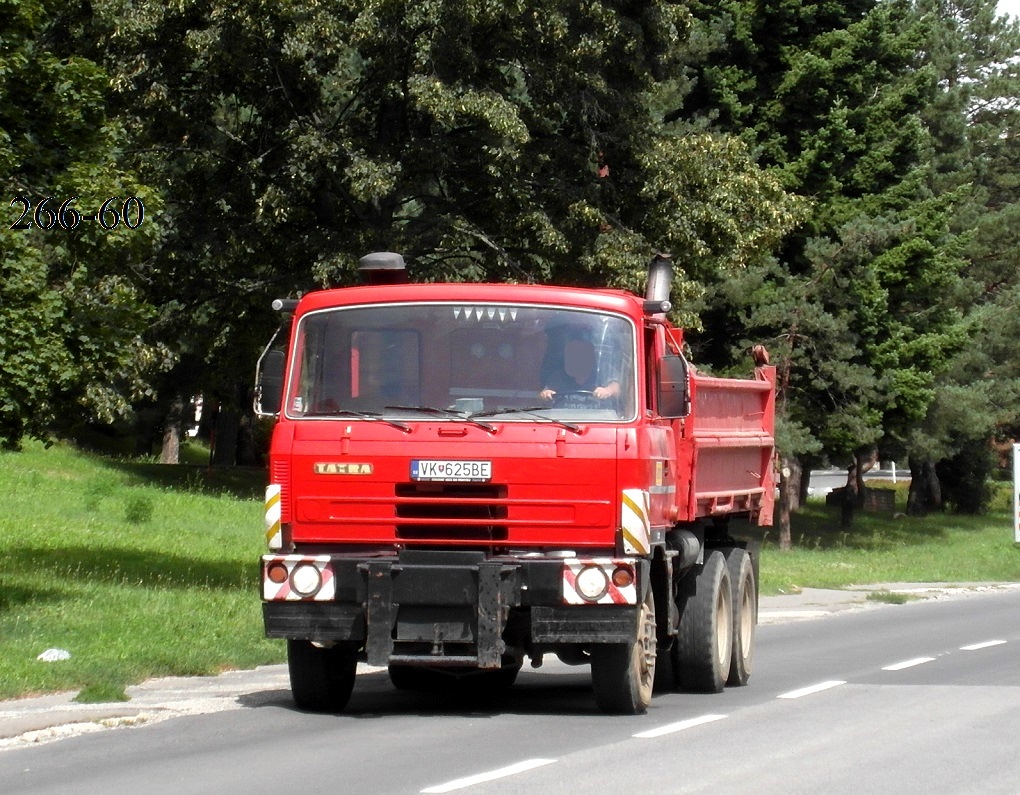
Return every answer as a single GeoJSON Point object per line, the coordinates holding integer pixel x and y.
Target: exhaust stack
{"type": "Point", "coordinates": [659, 285]}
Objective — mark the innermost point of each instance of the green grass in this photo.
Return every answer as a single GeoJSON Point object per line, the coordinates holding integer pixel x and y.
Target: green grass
{"type": "Point", "coordinates": [889, 548]}
{"type": "Point", "coordinates": [142, 570]}
{"type": "Point", "coordinates": [891, 597]}
{"type": "Point", "coordinates": [137, 570]}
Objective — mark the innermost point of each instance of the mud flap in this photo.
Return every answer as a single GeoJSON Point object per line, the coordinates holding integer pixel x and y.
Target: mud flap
{"type": "Point", "coordinates": [491, 616]}
{"type": "Point", "coordinates": [381, 612]}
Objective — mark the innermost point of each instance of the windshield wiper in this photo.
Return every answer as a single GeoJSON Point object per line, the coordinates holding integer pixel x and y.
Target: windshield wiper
{"type": "Point", "coordinates": [531, 411]}
{"type": "Point", "coordinates": [361, 415]}
{"type": "Point", "coordinates": [457, 415]}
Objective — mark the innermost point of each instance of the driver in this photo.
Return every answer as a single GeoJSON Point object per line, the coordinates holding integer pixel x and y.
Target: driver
{"type": "Point", "coordinates": [574, 371]}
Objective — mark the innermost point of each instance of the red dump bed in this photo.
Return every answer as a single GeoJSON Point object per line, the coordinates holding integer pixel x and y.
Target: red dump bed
{"type": "Point", "coordinates": [727, 446]}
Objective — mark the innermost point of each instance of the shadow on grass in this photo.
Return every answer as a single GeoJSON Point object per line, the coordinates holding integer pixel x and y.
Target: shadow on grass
{"type": "Point", "coordinates": [244, 483]}
{"type": "Point", "coordinates": [817, 526]}
{"type": "Point", "coordinates": [125, 566]}
{"type": "Point", "coordinates": [12, 596]}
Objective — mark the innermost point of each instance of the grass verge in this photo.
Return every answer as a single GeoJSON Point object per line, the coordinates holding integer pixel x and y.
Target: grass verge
{"type": "Point", "coordinates": [886, 548]}
{"type": "Point", "coordinates": [137, 570]}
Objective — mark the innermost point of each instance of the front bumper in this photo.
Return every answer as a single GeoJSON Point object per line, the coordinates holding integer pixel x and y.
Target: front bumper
{"type": "Point", "coordinates": [452, 608]}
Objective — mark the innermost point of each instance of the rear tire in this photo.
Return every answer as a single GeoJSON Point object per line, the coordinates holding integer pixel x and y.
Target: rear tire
{"type": "Point", "coordinates": [321, 680]}
{"type": "Point", "coordinates": [745, 615]}
{"type": "Point", "coordinates": [704, 640]}
{"type": "Point", "coordinates": [622, 674]}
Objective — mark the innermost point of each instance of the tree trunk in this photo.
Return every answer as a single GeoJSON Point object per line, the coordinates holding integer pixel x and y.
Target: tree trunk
{"type": "Point", "coordinates": [789, 498]}
{"type": "Point", "coordinates": [228, 423]}
{"type": "Point", "coordinates": [851, 496]}
{"type": "Point", "coordinates": [925, 490]}
{"type": "Point", "coordinates": [867, 458]}
{"type": "Point", "coordinates": [171, 451]}
{"type": "Point", "coordinates": [804, 490]}
{"type": "Point", "coordinates": [148, 424]}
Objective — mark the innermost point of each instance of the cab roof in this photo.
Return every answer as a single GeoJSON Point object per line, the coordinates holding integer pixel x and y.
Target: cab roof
{"type": "Point", "coordinates": [617, 301]}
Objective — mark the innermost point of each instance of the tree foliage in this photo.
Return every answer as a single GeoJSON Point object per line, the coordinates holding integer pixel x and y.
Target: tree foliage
{"type": "Point", "coordinates": [860, 304]}
{"type": "Point", "coordinates": [72, 303]}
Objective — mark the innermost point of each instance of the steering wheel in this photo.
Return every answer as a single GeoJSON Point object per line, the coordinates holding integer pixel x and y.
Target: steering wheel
{"type": "Point", "coordinates": [576, 398]}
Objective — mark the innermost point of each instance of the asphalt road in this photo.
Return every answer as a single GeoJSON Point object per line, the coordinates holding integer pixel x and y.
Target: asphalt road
{"type": "Point", "coordinates": [822, 481]}
{"type": "Point", "coordinates": [918, 698]}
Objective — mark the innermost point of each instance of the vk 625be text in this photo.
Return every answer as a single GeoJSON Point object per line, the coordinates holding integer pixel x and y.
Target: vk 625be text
{"type": "Point", "coordinates": [48, 215]}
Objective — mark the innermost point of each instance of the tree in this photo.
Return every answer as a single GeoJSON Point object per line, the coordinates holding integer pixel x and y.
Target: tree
{"type": "Point", "coordinates": [72, 309]}
{"type": "Point", "coordinates": [975, 153]}
{"type": "Point", "coordinates": [858, 305]}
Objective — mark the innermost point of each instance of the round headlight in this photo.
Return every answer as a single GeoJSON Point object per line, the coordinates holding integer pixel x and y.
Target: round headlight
{"type": "Point", "coordinates": [591, 583]}
{"type": "Point", "coordinates": [305, 579]}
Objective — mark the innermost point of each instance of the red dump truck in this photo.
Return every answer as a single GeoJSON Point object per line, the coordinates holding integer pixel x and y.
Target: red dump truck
{"type": "Point", "coordinates": [465, 475]}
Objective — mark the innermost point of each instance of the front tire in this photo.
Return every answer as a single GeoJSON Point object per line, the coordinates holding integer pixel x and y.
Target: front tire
{"type": "Point", "coordinates": [321, 680]}
{"type": "Point", "coordinates": [705, 637]}
{"type": "Point", "coordinates": [622, 674]}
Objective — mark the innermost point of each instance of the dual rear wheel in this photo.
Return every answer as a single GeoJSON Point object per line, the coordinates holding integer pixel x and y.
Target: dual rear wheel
{"type": "Point", "coordinates": [714, 646]}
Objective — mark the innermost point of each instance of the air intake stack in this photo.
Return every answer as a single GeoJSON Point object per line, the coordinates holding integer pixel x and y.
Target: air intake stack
{"type": "Point", "coordinates": [383, 267]}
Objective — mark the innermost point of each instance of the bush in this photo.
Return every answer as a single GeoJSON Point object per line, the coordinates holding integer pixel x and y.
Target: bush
{"type": "Point", "coordinates": [1000, 496]}
{"type": "Point", "coordinates": [138, 511]}
{"type": "Point", "coordinates": [964, 478]}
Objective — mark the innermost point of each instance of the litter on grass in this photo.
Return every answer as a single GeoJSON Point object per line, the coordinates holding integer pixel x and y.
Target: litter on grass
{"type": "Point", "coordinates": [54, 655]}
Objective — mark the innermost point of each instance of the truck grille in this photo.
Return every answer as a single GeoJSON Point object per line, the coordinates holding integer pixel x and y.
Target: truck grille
{"type": "Point", "coordinates": [451, 511]}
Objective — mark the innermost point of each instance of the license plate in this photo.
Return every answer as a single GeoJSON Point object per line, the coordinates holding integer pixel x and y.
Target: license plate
{"type": "Point", "coordinates": [451, 470]}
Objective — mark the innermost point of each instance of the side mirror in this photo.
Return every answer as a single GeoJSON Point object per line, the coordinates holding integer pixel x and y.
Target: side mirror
{"type": "Point", "coordinates": [674, 394]}
{"type": "Point", "coordinates": [269, 383]}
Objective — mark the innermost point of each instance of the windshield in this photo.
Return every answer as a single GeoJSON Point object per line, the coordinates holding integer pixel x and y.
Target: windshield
{"type": "Point", "coordinates": [446, 361]}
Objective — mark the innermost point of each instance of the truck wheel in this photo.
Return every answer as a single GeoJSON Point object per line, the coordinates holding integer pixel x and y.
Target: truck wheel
{"type": "Point", "coordinates": [622, 674]}
{"type": "Point", "coordinates": [745, 615]}
{"type": "Point", "coordinates": [705, 637]}
{"type": "Point", "coordinates": [321, 680]}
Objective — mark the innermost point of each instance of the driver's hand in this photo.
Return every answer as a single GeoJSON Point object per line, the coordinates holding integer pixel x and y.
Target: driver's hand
{"type": "Point", "coordinates": [603, 392]}
{"type": "Point", "coordinates": [547, 394]}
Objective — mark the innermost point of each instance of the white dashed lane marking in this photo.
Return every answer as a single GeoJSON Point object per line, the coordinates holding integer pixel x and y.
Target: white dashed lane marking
{"type": "Point", "coordinates": [811, 689]}
{"type": "Point", "coordinates": [908, 663]}
{"type": "Point", "coordinates": [492, 775]}
{"type": "Point", "coordinates": [679, 726]}
{"type": "Point", "coordinates": [985, 645]}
